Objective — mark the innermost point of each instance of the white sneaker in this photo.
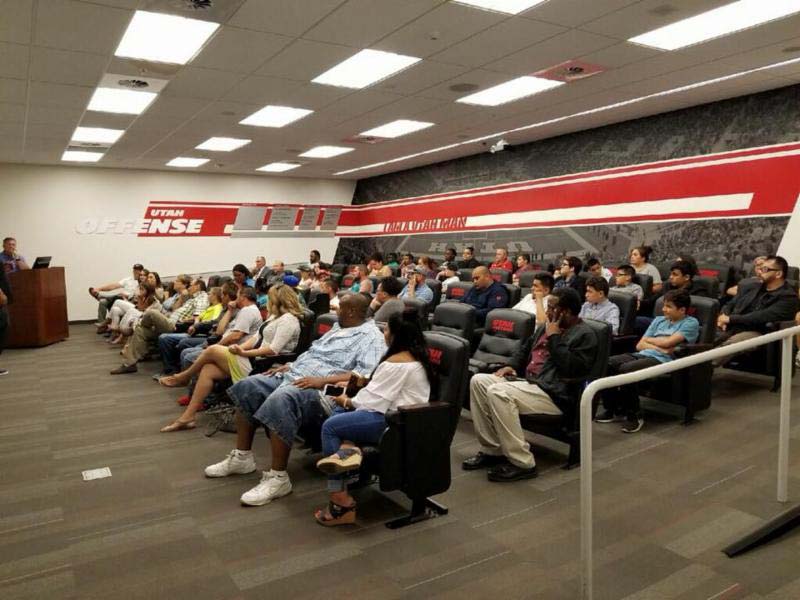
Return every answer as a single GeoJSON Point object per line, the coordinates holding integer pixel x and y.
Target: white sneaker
{"type": "Point", "coordinates": [271, 488]}
{"type": "Point", "coordinates": [238, 462]}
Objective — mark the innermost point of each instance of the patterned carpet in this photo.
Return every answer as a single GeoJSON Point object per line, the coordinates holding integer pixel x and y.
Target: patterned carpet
{"type": "Point", "coordinates": [667, 500]}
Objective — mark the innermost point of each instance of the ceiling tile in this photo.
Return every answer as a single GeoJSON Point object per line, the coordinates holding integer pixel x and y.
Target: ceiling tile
{"type": "Point", "coordinates": [194, 82]}
{"type": "Point", "coordinates": [13, 60]}
{"type": "Point", "coordinates": [15, 26]}
{"type": "Point", "coordinates": [499, 41]}
{"type": "Point", "coordinates": [73, 25]}
{"type": "Point", "coordinates": [303, 60]}
{"type": "Point", "coordinates": [57, 94]}
{"type": "Point", "coordinates": [107, 120]}
{"type": "Point", "coordinates": [171, 108]}
{"type": "Point", "coordinates": [357, 104]}
{"type": "Point", "coordinates": [240, 50]}
{"type": "Point", "coordinates": [63, 66]}
{"type": "Point", "coordinates": [572, 13]}
{"type": "Point", "coordinates": [12, 113]}
{"type": "Point", "coordinates": [54, 115]}
{"type": "Point", "coordinates": [480, 77]}
{"type": "Point", "coordinates": [619, 55]}
{"type": "Point", "coordinates": [13, 90]}
{"type": "Point", "coordinates": [287, 17]}
{"type": "Point", "coordinates": [362, 22]}
{"type": "Point", "coordinates": [420, 77]}
{"type": "Point", "coordinates": [61, 130]}
{"type": "Point", "coordinates": [439, 29]}
{"type": "Point", "coordinates": [263, 90]}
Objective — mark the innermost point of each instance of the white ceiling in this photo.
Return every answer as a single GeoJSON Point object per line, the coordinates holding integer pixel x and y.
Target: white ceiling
{"type": "Point", "coordinates": [54, 52]}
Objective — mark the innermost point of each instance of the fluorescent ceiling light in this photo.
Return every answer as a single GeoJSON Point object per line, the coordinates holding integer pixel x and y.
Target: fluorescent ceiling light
{"type": "Point", "coordinates": [396, 128]}
{"type": "Point", "coordinates": [365, 68]}
{"type": "Point", "coordinates": [583, 113]}
{"type": "Point", "coordinates": [80, 156]}
{"type": "Point", "coordinates": [183, 161]}
{"type": "Point", "coordinates": [278, 167]}
{"type": "Point", "coordinates": [96, 135]}
{"type": "Point", "coordinates": [326, 151]}
{"type": "Point", "coordinates": [275, 116]}
{"type": "Point", "coordinates": [120, 101]}
{"type": "Point", "coordinates": [222, 144]}
{"type": "Point", "coordinates": [164, 38]}
{"type": "Point", "coordinates": [510, 7]}
{"type": "Point", "coordinates": [717, 23]}
{"type": "Point", "coordinates": [521, 87]}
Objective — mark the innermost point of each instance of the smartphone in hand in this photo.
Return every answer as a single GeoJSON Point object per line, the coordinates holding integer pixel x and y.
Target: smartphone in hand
{"type": "Point", "coordinates": [333, 390]}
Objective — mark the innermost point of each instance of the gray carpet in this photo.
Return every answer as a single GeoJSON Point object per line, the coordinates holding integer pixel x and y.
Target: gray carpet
{"type": "Point", "coordinates": [667, 500]}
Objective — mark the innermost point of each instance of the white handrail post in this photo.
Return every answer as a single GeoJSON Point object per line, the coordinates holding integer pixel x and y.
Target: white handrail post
{"type": "Point", "coordinates": [587, 562]}
{"type": "Point", "coordinates": [783, 434]}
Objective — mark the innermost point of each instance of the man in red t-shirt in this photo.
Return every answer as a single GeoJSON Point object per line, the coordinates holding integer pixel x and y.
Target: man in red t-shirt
{"type": "Point", "coordinates": [501, 260]}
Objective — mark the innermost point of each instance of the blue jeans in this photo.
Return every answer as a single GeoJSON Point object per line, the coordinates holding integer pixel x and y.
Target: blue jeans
{"type": "Point", "coordinates": [168, 350]}
{"type": "Point", "coordinates": [359, 427]}
{"type": "Point", "coordinates": [283, 409]}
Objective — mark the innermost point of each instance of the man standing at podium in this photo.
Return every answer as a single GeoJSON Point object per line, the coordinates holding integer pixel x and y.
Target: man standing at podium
{"type": "Point", "coordinates": [5, 298]}
{"type": "Point", "coordinates": [9, 259]}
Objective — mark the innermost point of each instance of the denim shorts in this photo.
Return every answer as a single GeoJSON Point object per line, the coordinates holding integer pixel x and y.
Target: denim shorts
{"type": "Point", "coordinates": [281, 409]}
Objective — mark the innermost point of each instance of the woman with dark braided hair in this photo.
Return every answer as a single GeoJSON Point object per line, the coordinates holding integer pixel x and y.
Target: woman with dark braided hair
{"type": "Point", "coordinates": [403, 378]}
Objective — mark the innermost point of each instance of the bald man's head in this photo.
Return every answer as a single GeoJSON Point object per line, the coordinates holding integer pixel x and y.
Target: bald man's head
{"type": "Point", "coordinates": [481, 277]}
{"type": "Point", "coordinates": [353, 310]}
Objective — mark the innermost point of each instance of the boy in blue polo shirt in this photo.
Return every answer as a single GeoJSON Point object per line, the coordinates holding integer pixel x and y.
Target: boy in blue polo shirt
{"type": "Point", "coordinates": [656, 346]}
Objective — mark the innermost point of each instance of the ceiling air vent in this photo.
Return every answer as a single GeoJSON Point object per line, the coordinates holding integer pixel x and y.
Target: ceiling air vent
{"type": "Point", "coordinates": [572, 70]}
{"type": "Point", "coordinates": [198, 4]}
{"type": "Point", "coordinates": [135, 84]}
{"type": "Point", "coordinates": [364, 139]}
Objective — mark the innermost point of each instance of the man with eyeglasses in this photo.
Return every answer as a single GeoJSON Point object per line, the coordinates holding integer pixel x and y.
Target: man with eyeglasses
{"type": "Point", "coordinates": [568, 275]}
{"type": "Point", "coordinates": [485, 294]}
{"type": "Point", "coordinates": [746, 316]}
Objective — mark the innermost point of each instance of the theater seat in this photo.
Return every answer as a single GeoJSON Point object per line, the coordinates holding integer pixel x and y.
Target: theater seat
{"type": "Point", "coordinates": [526, 278]}
{"type": "Point", "coordinates": [725, 275]}
{"type": "Point", "coordinates": [501, 275]}
{"type": "Point", "coordinates": [566, 427]}
{"type": "Point", "coordinates": [339, 268]}
{"type": "Point", "coordinates": [465, 275]}
{"type": "Point", "coordinates": [514, 294]}
{"type": "Point", "coordinates": [307, 321]}
{"type": "Point", "coordinates": [323, 324]}
{"type": "Point", "coordinates": [454, 318]}
{"type": "Point", "coordinates": [626, 338]}
{"type": "Point", "coordinates": [456, 291]}
{"type": "Point", "coordinates": [421, 307]}
{"type": "Point", "coordinates": [765, 360]}
{"type": "Point", "coordinates": [505, 331]}
{"type": "Point", "coordinates": [436, 287]}
{"type": "Point", "coordinates": [319, 303]}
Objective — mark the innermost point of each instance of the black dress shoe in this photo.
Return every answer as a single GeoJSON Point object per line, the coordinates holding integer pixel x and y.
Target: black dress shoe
{"type": "Point", "coordinates": [509, 472]}
{"type": "Point", "coordinates": [124, 369]}
{"type": "Point", "coordinates": [482, 461]}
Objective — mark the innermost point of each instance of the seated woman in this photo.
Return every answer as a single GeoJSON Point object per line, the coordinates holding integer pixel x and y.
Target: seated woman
{"type": "Point", "coordinates": [145, 298]}
{"type": "Point", "coordinates": [402, 378]}
{"type": "Point", "coordinates": [154, 279]}
{"type": "Point", "coordinates": [280, 333]}
{"type": "Point", "coordinates": [427, 263]}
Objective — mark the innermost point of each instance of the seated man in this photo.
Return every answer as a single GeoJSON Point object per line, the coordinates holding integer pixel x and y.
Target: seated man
{"type": "Point", "coordinates": [656, 346]}
{"type": "Point", "coordinates": [681, 277]}
{"type": "Point", "coordinates": [536, 302]}
{"type": "Point", "coordinates": [314, 259]}
{"type": "Point", "coordinates": [598, 306]}
{"type": "Point", "coordinates": [286, 398]}
{"type": "Point", "coordinates": [416, 286]}
{"type": "Point", "coordinates": [331, 288]}
{"type": "Point", "coordinates": [105, 294]}
{"type": "Point", "coordinates": [747, 314]}
{"type": "Point", "coordinates": [485, 294]}
{"type": "Point", "coordinates": [449, 256]}
{"type": "Point", "coordinates": [376, 266]}
{"type": "Point", "coordinates": [523, 265]}
{"type": "Point", "coordinates": [260, 268]}
{"type": "Point", "coordinates": [154, 323]}
{"type": "Point", "coordinates": [568, 275]}
{"type": "Point", "coordinates": [468, 260]}
{"type": "Point", "coordinates": [564, 348]}
{"type": "Point", "coordinates": [276, 273]}
{"type": "Point", "coordinates": [386, 301]}
{"type": "Point", "coordinates": [596, 268]}
{"type": "Point", "coordinates": [623, 282]}
{"type": "Point", "coordinates": [501, 260]}
{"type": "Point", "coordinates": [447, 275]}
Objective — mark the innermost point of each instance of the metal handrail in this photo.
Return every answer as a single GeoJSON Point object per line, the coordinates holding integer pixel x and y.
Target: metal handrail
{"type": "Point", "coordinates": [676, 365]}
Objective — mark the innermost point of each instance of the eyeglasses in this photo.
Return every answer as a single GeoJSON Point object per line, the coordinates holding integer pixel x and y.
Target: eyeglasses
{"type": "Point", "coordinates": [767, 269]}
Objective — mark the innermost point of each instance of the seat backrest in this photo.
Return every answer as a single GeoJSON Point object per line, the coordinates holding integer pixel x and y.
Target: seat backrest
{"type": "Point", "coordinates": [724, 274]}
{"type": "Point", "coordinates": [320, 303]}
{"type": "Point", "coordinates": [663, 270]}
{"type": "Point", "coordinates": [505, 331]}
{"type": "Point", "coordinates": [436, 287]}
{"type": "Point", "coordinates": [421, 307]}
{"type": "Point", "coordinates": [465, 275]}
{"type": "Point", "coordinates": [793, 273]}
{"type": "Point", "coordinates": [339, 268]}
{"type": "Point", "coordinates": [501, 275]}
{"type": "Point", "coordinates": [526, 278]}
{"type": "Point", "coordinates": [514, 294]}
{"type": "Point", "coordinates": [603, 332]}
{"type": "Point", "coordinates": [627, 310]}
{"type": "Point", "coordinates": [307, 323]}
{"type": "Point", "coordinates": [455, 318]}
{"type": "Point", "coordinates": [456, 291]}
{"type": "Point", "coordinates": [705, 310]}
{"type": "Point", "coordinates": [337, 277]}
{"type": "Point", "coordinates": [323, 324]}
{"type": "Point", "coordinates": [449, 356]}
{"type": "Point", "coordinates": [709, 284]}
{"type": "Point", "coordinates": [646, 282]}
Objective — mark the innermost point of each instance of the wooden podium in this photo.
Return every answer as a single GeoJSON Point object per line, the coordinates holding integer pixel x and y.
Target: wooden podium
{"type": "Point", "coordinates": [38, 313]}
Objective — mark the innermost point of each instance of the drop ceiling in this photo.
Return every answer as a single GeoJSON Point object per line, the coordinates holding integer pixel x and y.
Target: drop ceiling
{"type": "Point", "coordinates": [53, 54]}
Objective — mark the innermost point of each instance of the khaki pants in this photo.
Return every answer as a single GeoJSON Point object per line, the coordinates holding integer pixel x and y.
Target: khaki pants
{"type": "Point", "coordinates": [152, 325]}
{"type": "Point", "coordinates": [496, 405]}
{"type": "Point", "coordinates": [736, 337]}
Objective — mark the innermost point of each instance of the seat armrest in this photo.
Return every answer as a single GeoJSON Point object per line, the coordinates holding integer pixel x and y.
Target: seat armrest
{"type": "Point", "coordinates": [682, 350]}
{"type": "Point", "coordinates": [263, 363]}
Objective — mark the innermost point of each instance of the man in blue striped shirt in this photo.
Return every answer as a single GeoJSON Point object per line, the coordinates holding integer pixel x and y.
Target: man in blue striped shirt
{"type": "Point", "coordinates": [597, 306]}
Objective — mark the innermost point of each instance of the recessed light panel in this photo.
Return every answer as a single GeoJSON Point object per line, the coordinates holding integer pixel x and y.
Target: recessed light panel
{"type": "Point", "coordinates": [326, 151]}
{"type": "Point", "coordinates": [396, 128]}
{"type": "Point", "coordinates": [96, 135]}
{"type": "Point", "coordinates": [186, 162]}
{"type": "Point", "coordinates": [365, 68]}
{"type": "Point", "coordinates": [278, 167]}
{"type": "Point", "coordinates": [164, 38]}
{"type": "Point", "coordinates": [716, 23]}
{"type": "Point", "coordinates": [510, 7]}
{"type": "Point", "coordinates": [80, 156]}
{"type": "Point", "coordinates": [222, 144]}
{"type": "Point", "coordinates": [275, 116]}
{"type": "Point", "coordinates": [120, 101]}
{"type": "Point", "coordinates": [521, 87]}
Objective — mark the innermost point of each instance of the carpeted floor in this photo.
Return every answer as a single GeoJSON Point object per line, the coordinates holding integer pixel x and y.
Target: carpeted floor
{"type": "Point", "coordinates": [667, 500]}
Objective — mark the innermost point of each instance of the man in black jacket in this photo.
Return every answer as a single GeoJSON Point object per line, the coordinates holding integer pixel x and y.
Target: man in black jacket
{"type": "Point", "coordinates": [5, 298]}
{"type": "Point", "coordinates": [545, 377]}
{"type": "Point", "coordinates": [485, 294]}
{"type": "Point", "coordinates": [754, 306]}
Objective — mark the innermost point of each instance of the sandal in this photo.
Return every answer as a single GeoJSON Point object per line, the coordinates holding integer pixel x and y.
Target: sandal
{"type": "Point", "coordinates": [336, 514]}
{"type": "Point", "coordinates": [170, 381]}
{"type": "Point", "coordinates": [178, 425]}
{"type": "Point", "coordinates": [345, 459]}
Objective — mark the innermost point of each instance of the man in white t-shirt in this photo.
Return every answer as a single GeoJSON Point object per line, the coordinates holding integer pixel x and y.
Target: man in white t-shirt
{"type": "Point", "coordinates": [106, 294]}
{"type": "Point", "coordinates": [535, 303]}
